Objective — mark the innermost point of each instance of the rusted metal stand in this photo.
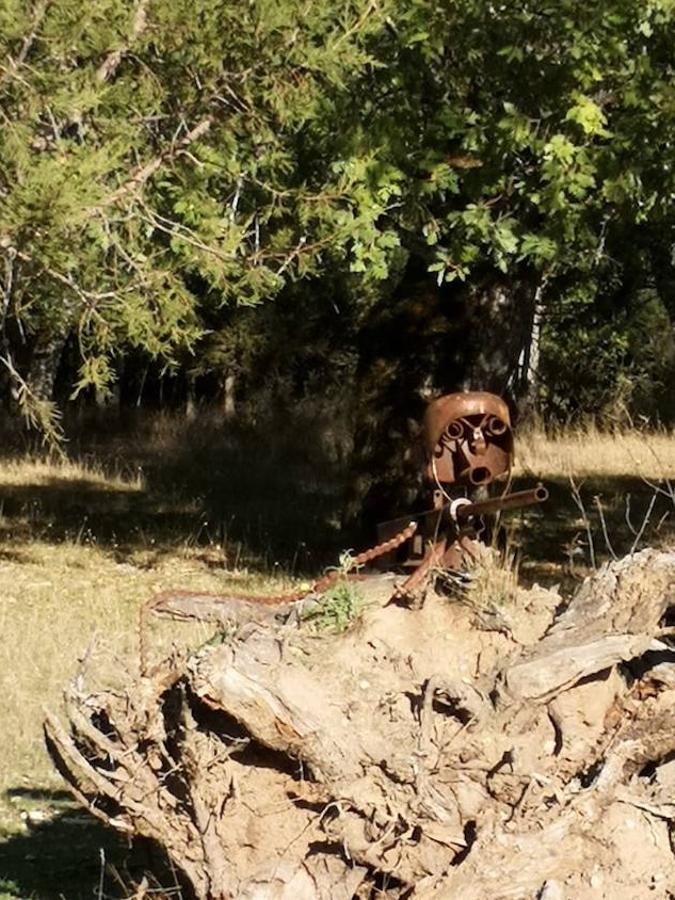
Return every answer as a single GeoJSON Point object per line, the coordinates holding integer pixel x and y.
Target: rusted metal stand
{"type": "Point", "coordinates": [468, 443]}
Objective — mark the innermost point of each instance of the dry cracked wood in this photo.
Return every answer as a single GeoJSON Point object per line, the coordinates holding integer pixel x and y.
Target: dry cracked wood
{"type": "Point", "coordinates": [278, 764]}
{"type": "Point", "coordinates": [613, 618]}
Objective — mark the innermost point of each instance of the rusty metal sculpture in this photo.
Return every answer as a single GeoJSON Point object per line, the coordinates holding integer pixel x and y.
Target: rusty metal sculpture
{"type": "Point", "coordinates": [468, 444]}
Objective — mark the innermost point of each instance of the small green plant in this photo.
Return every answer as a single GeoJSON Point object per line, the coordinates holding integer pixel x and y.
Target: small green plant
{"type": "Point", "coordinates": [338, 607]}
{"type": "Point", "coordinates": [9, 890]}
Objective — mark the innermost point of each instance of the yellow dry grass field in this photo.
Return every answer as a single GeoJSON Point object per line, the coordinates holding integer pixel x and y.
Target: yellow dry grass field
{"type": "Point", "coordinates": [610, 493]}
{"type": "Point", "coordinates": [589, 453]}
{"type": "Point", "coordinates": [65, 594]}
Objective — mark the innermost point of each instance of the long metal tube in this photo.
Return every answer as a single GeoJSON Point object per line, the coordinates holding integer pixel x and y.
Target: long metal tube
{"type": "Point", "coordinates": [530, 497]}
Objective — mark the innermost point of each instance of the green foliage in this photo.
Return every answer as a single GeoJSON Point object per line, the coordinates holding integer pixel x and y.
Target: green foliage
{"type": "Point", "coordinates": [151, 164]}
{"type": "Point", "coordinates": [337, 609]}
{"type": "Point", "coordinates": [163, 161]}
{"type": "Point", "coordinates": [613, 362]}
{"type": "Point", "coordinates": [42, 415]}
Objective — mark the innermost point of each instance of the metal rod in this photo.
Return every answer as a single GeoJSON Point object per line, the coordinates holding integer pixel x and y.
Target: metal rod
{"type": "Point", "coordinates": [466, 510]}
{"type": "Point", "coordinates": [507, 501]}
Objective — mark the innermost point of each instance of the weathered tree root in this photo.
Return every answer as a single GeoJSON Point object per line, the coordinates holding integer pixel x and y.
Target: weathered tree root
{"type": "Point", "coordinates": [283, 765]}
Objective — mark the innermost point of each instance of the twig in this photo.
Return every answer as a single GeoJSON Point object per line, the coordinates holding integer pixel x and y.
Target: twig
{"type": "Point", "coordinates": [101, 877]}
{"type": "Point", "coordinates": [576, 496]}
{"type": "Point", "coordinates": [662, 520]}
{"type": "Point", "coordinates": [627, 516]}
{"type": "Point", "coordinates": [39, 12]}
{"type": "Point", "coordinates": [112, 61]}
{"type": "Point", "coordinates": [357, 25]}
{"type": "Point", "coordinates": [42, 415]}
{"type": "Point", "coordinates": [603, 523]}
{"type": "Point", "coordinates": [181, 232]}
{"type": "Point", "coordinates": [145, 172]}
{"type": "Point", "coordinates": [645, 522]}
{"type": "Point", "coordinates": [88, 297]}
{"type": "Point", "coordinates": [669, 489]}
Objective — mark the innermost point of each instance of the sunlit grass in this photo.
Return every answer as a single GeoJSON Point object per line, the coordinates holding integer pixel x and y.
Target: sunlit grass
{"type": "Point", "coordinates": [60, 602]}
{"type": "Point", "coordinates": [37, 472]}
{"type": "Point", "coordinates": [64, 598]}
{"type": "Point", "coordinates": [588, 452]}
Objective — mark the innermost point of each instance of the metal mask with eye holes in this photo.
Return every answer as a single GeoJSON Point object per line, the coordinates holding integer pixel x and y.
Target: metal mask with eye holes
{"type": "Point", "coordinates": [467, 439]}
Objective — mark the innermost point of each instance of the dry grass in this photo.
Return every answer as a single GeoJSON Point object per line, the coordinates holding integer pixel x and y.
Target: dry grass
{"type": "Point", "coordinates": [587, 452]}
{"type": "Point", "coordinates": [56, 599]}
{"type": "Point", "coordinates": [42, 472]}
{"type": "Point", "coordinates": [56, 596]}
{"type": "Point", "coordinates": [610, 493]}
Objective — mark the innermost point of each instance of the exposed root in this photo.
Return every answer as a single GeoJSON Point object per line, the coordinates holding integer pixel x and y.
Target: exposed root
{"type": "Point", "coordinates": [414, 755]}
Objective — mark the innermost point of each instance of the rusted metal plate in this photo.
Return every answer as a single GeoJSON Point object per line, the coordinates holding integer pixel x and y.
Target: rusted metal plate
{"type": "Point", "coordinates": [467, 439]}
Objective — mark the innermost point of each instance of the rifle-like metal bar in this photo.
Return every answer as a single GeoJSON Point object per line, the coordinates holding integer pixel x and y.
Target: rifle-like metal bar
{"type": "Point", "coordinates": [463, 510]}
{"type": "Point", "coordinates": [515, 500]}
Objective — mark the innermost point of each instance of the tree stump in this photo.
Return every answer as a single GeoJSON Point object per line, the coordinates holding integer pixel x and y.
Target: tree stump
{"type": "Point", "coordinates": [423, 753]}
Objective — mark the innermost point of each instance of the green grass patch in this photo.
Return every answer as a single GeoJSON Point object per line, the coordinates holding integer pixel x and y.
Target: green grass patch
{"type": "Point", "coordinates": [337, 609]}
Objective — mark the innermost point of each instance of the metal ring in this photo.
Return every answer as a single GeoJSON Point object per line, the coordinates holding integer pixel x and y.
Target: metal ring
{"type": "Point", "coordinates": [455, 504]}
{"type": "Point", "coordinates": [454, 430]}
{"type": "Point", "coordinates": [496, 426]}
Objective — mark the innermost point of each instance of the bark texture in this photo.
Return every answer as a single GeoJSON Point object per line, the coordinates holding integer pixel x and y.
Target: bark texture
{"type": "Point", "coordinates": [44, 364]}
{"type": "Point", "coordinates": [469, 749]}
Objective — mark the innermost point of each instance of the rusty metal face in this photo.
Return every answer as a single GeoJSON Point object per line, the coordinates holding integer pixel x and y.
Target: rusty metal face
{"type": "Point", "coordinates": [467, 439]}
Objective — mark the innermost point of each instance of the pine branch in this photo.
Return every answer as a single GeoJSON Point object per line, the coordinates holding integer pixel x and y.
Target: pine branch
{"type": "Point", "coordinates": [181, 232]}
{"type": "Point", "coordinates": [41, 415]}
{"type": "Point", "coordinates": [88, 297]}
{"type": "Point", "coordinates": [139, 178]}
{"type": "Point", "coordinates": [111, 63]}
{"type": "Point", "coordinates": [39, 12]}
{"type": "Point", "coordinates": [144, 173]}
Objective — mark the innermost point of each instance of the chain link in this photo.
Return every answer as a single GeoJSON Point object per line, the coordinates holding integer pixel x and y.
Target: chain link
{"type": "Point", "coordinates": [319, 587]}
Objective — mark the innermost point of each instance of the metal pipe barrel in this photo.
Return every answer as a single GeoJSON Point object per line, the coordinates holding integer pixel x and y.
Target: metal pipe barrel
{"type": "Point", "coordinates": [516, 500]}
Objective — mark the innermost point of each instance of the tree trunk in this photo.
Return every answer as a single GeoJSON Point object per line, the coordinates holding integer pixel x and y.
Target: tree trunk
{"type": "Point", "coordinates": [499, 333]}
{"type": "Point", "coordinates": [470, 748]}
{"type": "Point", "coordinates": [525, 382]}
{"type": "Point", "coordinates": [190, 399]}
{"type": "Point", "coordinates": [44, 363]}
{"type": "Point", "coordinates": [228, 398]}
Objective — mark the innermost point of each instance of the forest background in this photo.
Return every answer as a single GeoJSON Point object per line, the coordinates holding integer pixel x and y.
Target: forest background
{"type": "Point", "coordinates": [309, 212]}
{"type": "Point", "coordinates": [205, 201]}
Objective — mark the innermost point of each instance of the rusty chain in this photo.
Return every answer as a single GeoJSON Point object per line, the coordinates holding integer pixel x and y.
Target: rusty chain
{"type": "Point", "coordinates": [319, 587]}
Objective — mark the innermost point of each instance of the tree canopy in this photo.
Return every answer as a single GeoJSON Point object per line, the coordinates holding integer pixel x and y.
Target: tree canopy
{"type": "Point", "coordinates": [165, 163]}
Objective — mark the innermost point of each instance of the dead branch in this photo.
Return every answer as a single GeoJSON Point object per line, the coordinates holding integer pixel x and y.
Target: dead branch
{"type": "Point", "coordinates": [111, 63]}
